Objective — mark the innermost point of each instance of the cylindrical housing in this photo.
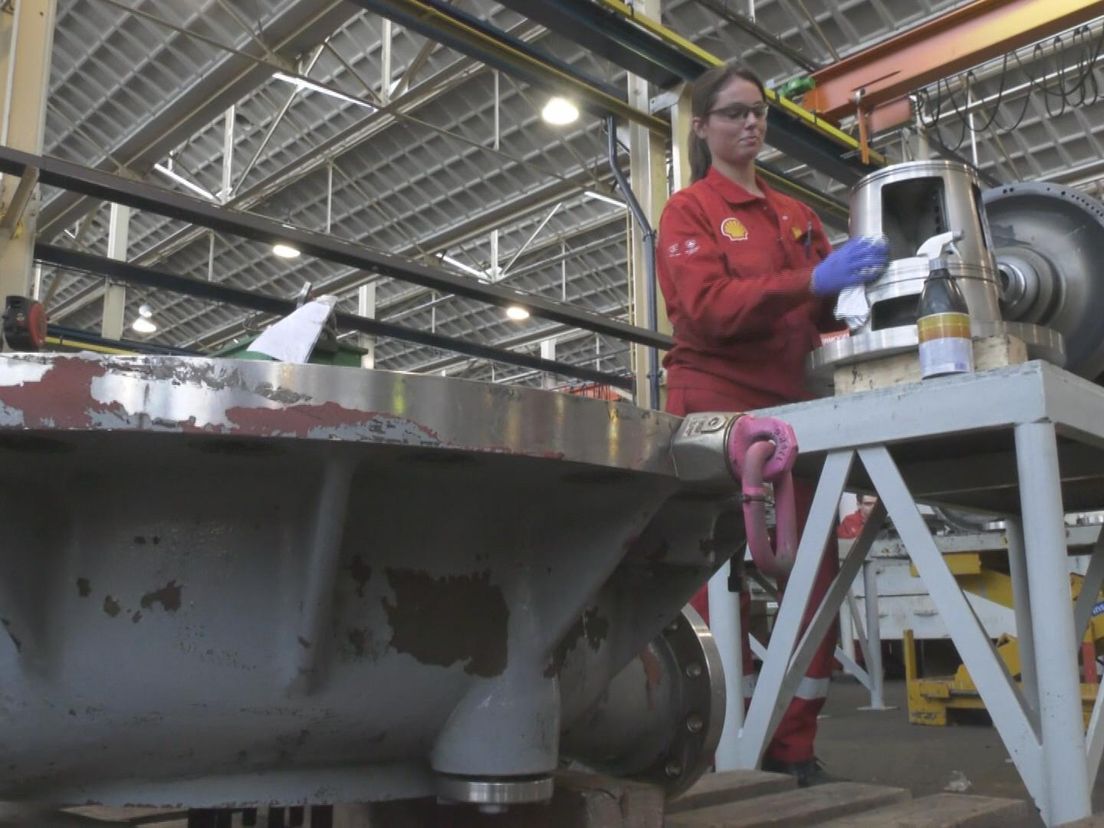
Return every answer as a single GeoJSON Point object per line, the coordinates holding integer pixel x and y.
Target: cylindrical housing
{"type": "Point", "coordinates": [908, 204]}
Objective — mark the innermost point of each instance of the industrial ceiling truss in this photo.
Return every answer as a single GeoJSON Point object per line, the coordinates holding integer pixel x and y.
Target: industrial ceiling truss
{"type": "Point", "coordinates": [407, 134]}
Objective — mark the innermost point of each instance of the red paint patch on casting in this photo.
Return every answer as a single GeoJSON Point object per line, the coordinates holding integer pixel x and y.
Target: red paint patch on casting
{"type": "Point", "coordinates": [300, 420]}
{"type": "Point", "coordinates": [653, 674]}
{"type": "Point", "coordinates": [62, 398]}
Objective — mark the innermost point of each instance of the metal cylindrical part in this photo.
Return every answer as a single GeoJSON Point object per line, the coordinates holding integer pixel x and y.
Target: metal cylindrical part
{"type": "Point", "coordinates": [1049, 242]}
{"type": "Point", "coordinates": [661, 717]}
{"type": "Point", "coordinates": [908, 204]}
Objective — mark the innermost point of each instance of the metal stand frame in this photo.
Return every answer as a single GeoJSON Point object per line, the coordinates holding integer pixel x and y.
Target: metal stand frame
{"type": "Point", "coordinates": [850, 625]}
{"type": "Point", "coordinates": [1034, 404]}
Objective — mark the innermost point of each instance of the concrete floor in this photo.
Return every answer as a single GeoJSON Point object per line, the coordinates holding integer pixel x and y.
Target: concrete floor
{"type": "Point", "coordinates": [882, 747]}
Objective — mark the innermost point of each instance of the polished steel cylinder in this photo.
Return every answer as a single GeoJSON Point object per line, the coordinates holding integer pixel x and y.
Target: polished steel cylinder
{"type": "Point", "coordinates": [908, 204]}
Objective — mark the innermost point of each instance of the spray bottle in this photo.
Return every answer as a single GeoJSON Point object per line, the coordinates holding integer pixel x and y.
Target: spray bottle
{"type": "Point", "coordinates": [943, 317]}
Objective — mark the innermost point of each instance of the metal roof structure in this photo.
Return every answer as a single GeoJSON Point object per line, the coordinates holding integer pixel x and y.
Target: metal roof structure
{"type": "Point", "coordinates": [273, 106]}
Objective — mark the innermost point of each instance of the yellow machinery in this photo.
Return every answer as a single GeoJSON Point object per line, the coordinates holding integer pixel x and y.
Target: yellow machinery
{"type": "Point", "coordinates": [931, 698]}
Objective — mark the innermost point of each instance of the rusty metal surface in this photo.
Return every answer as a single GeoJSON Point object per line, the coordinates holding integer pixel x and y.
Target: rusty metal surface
{"type": "Point", "coordinates": [41, 392]}
{"type": "Point", "coordinates": [238, 583]}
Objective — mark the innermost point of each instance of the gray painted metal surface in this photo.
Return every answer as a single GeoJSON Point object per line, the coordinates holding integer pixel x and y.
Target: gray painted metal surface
{"type": "Point", "coordinates": [243, 582]}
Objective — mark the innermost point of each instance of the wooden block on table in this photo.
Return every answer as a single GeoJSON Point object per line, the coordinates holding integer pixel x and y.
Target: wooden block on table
{"type": "Point", "coordinates": [730, 786]}
{"type": "Point", "coordinates": [792, 809]}
{"type": "Point", "coordinates": [998, 352]}
{"type": "Point", "coordinates": [945, 811]}
{"type": "Point", "coordinates": [989, 352]}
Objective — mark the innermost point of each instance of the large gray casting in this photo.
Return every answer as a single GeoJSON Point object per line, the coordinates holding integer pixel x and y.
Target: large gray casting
{"type": "Point", "coordinates": [236, 582]}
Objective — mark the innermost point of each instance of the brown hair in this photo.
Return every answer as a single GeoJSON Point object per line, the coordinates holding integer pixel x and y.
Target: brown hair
{"type": "Point", "coordinates": [703, 95]}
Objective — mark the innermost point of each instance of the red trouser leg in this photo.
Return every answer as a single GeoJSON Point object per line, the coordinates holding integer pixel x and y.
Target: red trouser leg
{"type": "Point", "coordinates": [796, 733]}
{"type": "Point", "coordinates": [793, 740]}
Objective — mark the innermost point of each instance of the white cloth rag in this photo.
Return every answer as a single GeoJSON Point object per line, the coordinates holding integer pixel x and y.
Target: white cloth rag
{"type": "Point", "coordinates": [852, 307]}
{"type": "Point", "coordinates": [293, 338]}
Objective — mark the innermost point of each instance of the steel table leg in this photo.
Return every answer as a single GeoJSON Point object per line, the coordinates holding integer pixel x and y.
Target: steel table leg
{"type": "Point", "coordinates": [1021, 604]}
{"type": "Point", "coordinates": [724, 621]}
{"type": "Point", "coordinates": [874, 638]}
{"type": "Point", "coordinates": [1065, 773]}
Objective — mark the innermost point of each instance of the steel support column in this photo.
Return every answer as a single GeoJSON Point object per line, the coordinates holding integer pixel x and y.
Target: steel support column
{"type": "Point", "coordinates": [114, 305]}
{"type": "Point", "coordinates": [385, 60]}
{"type": "Point", "coordinates": [28, 35]}
{"type": "Point", "coordinates": [548, 351]}
{"type": "Point", "coordinates": [366, 307]}
{"type": "Point", "coordinates": [648, 174]}
{"type": "Point", "coordinates": [680, 146]}
{"type": "Point", "coordinates": [1065, 776]}
{"type": "Point", "coordinates": [873, 637]}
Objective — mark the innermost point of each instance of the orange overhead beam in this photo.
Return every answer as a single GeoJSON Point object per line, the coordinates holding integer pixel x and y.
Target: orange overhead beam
{"type": "Point", "coordinates": [953, 42]}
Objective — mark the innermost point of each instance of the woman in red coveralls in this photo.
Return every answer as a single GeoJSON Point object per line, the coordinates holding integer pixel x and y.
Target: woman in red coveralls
{"type": "Point", "coordinates": [750, 279]}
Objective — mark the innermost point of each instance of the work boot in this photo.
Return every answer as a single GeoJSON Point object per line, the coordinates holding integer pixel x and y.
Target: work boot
{"type": "Point", "coordinates": [807, 773]}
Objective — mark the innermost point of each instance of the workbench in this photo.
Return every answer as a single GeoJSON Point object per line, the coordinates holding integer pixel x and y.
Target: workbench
{"type": "Point", "coordinates": [1024, 444]}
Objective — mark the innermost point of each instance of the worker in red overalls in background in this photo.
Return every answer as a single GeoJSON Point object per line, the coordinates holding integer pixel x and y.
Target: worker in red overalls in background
{"type": "Point", "coordinates": [750, 279]}
{"type": "Point", "coordinates": [853, 524]}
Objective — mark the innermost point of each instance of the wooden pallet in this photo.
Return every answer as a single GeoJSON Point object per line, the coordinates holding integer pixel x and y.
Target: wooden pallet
{"type": "Point", "coordinates": [731, 800]}
{"type": "Point", "coordinates": [734, 799]}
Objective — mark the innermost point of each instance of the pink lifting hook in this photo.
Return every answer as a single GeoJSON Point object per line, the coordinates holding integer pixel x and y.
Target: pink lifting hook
{"type": "Point", "coordinates": [763, 450]}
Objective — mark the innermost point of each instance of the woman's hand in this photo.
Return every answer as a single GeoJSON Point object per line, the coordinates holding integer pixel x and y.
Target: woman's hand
{"type": "Point", "coordinates": [855, 262]}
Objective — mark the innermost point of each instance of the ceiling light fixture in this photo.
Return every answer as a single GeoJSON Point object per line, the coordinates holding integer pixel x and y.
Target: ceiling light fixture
{"type": "Point", "coordinates": [560, 112]}
{"type": "Point", "coordinates": [143, 323]}
{"type": "Point", "coordinates": [285, 251]}
{"type": "Point", "coordinates": [517, 313]}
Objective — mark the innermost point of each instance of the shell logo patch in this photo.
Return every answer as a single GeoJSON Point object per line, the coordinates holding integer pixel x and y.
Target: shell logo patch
{"type": "Point", "coordinates": [733, 229]}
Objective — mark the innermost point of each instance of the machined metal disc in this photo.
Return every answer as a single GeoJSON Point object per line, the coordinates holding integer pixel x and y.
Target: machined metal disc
{"type": "Point", "coordinates": [1065, 228]}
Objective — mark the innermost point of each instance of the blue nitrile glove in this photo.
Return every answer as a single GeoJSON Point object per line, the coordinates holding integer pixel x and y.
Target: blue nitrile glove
{"type": "Point", "coordinates": [855, 262]}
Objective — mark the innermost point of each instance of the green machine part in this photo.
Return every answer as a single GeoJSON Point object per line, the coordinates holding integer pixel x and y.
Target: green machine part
{"type": "Point", "coordinates": [324, 353]}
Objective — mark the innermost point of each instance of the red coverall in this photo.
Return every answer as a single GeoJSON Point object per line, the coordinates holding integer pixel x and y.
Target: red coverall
{"type": "Point", "coordinates": [735, 269]}
{"type": "Point", "coordinates": [851, 526]}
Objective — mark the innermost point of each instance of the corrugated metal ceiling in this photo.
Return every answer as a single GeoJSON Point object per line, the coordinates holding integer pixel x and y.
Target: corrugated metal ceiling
{"type": "Point", "coordinates": [429, 182]}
